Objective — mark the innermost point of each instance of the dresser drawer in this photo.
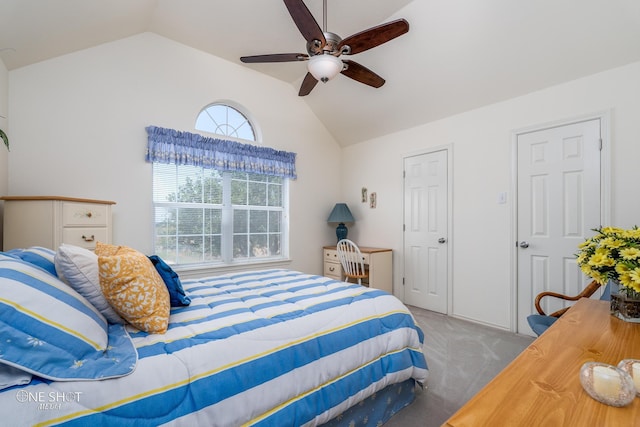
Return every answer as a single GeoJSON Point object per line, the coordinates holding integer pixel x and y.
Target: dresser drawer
{"type": "Point", "coordinates": [331, 255]}
{"type": "Point", "coordinates": [83, 214]}
{"type": "Point", "coordinates": [333, 270]}
{"type": "Point", "coordinates": [84, 237]}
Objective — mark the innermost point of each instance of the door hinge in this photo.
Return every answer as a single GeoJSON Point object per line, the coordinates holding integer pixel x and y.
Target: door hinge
{"type": "Point", "coordinates": [403, 281]}
{"type": "Point", "coordinates": [404, 227]}
{"type": "Point", "coordinates": [404, 174]}
{"type": "Point", "coordinates": [600, 144]}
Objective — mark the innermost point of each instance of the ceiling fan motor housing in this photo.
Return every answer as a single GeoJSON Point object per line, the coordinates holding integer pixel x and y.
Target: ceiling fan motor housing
{"type": "Point", "coordinates": [314, 47]}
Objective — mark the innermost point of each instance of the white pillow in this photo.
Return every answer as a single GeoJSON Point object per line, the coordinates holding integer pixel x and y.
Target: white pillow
{"type": "Point", "coordinates": [78, 268]}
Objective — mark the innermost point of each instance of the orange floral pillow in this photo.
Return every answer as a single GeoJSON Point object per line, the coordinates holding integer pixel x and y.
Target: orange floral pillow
{"type": "Point", "coordinates": [106, 249]}
{"type": "Point", "coordinates": [133, 287]}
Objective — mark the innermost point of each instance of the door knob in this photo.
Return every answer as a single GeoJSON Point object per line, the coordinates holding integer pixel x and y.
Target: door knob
{"type": "Point", "coordinates": [442, 240]}
{"type": "Point", "coordinates": [524, 245]}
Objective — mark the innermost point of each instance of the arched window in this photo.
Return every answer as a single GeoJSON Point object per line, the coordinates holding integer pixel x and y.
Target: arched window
{"type": "Point", "coordinates": [215, 216]}
{"type": "Point", "coordinates": [225, 120]}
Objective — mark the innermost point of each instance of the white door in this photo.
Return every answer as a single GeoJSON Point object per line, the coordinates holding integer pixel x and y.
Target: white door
{"type": "Point", "coordinates": [558, 206]}
{"type": "Point", "coordinates": [425, 230]}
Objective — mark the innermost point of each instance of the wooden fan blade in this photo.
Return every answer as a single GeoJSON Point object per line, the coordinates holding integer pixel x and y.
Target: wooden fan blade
{"type": "Point", "coordinates": [362, 74]}
{"type": "Point", "coordinates": [373, 37]}
{"type": "Point", "coordinates": [305, 22]}
{"type": "Point", "coordinates": [308, 84]}
{"type": "Point", "coordinates": [276, 57]}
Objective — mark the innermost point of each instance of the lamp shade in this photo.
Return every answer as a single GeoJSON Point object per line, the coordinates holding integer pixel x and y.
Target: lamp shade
{"type": "Point", "coordinates": [340, 213]}
{"type": "Point", "coordinates": [324, 67]}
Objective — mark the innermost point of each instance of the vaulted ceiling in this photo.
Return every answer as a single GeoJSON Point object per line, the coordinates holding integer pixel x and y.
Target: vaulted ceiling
{"type": "Point", "coordinates": [457, 56]}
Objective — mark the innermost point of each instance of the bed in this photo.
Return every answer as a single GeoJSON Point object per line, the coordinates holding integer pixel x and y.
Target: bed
{"type": "Point", "coordinates": [268, 348]}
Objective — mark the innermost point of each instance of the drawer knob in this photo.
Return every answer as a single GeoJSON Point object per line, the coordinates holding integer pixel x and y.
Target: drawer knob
{"type": "Point", "coordinates": [89, 214]}
{"type": "Point", "coordinates": [332, 268]}
{"type": "Point", "coordinates": [88, 239]}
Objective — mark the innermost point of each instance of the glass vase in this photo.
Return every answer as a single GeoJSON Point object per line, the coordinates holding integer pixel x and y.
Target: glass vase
{"type": "Point", "coordinates": [623, 306]}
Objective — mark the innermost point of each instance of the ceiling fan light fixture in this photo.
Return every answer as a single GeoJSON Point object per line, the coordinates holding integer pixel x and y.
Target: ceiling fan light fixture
{"type": "Point", "coordinates": [324, 48]}
{"type": "Point", "coordinates": [324, 67]}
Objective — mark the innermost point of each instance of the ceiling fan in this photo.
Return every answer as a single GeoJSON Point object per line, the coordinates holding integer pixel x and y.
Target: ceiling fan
{"type": "Point", "coordinates": [324, 48]}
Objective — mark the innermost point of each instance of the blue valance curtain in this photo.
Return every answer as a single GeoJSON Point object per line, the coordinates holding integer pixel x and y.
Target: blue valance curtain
{"type": "Point", "coordinates": [184, 148]}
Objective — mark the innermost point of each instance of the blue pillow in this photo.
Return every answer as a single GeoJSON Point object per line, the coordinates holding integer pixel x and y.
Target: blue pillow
{"type": "Point", "coordinates": [50, 330]}
{"type": "Point", "coordinates": [177, 296]}
{"type": "Point", "coordinates": [37, 255]}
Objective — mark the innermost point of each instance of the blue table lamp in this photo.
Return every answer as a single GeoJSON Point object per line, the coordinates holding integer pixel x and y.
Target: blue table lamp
{"type": "Point", "coordinates": [341, 214]}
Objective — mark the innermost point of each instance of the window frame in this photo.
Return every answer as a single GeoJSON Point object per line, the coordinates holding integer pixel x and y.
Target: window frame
{"type": "Point", "coordinates": [227, 234]}
{"type": "Point", "coordinates": [257, 131]}
{"type": "Point", "coordinates": [227, 210]}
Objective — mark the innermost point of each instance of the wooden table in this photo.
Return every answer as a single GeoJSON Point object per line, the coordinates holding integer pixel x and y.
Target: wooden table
{"type": "Point", "coordinates": [541, 387]}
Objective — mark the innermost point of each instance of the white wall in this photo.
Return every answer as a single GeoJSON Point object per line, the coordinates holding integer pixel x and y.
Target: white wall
{"type": "Point", "coordinates": [4, 159]}
{"type": "Point", "coordinates": [78, 129]}
{"type": "Point", "coordinates": [482, 150]}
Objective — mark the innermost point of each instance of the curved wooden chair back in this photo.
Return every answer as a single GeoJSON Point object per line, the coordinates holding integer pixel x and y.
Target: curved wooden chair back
{"type": "Point", "coordinates": [586, 293]}
{"type": "Point", "coordinates": [352, 261]}
{"type": "Point", "coordinates": [542, 321]}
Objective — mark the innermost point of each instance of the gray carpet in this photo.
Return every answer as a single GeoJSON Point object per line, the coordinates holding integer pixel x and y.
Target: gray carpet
{"type": "Point", "coordinates": [462, 357]}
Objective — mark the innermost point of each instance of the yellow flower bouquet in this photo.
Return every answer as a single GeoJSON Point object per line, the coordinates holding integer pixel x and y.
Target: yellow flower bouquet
{"type": "Point", "coordinates": [613, 254]}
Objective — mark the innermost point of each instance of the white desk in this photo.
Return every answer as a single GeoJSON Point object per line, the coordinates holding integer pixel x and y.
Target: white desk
{"type": "Point", "coordinates": [377, 260]}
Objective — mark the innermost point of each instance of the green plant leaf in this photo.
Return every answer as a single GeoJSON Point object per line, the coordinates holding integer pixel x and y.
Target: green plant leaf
{"type": "Point", "coordinates": [5, 138]}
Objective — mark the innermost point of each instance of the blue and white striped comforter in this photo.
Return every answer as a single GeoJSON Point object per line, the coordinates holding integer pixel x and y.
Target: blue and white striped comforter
{"type": "Point", "coordinates": [268, 348]}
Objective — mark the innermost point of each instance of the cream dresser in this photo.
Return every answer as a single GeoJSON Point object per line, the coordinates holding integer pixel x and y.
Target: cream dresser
{"type": "Point", "coordinates": [49, 221]}
{"type": "Point", "coordinates": [378, 261]}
